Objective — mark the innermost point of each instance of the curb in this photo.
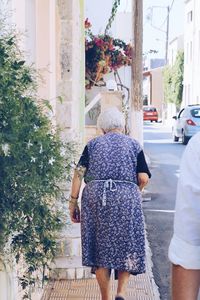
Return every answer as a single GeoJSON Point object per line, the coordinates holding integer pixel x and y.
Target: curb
{"type": "Point", "coordinates": [149, 263]}
{"type": "Point", "coordinates": [149, 253]}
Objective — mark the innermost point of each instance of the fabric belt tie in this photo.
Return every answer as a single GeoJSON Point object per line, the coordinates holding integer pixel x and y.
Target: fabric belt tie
{"type": "Point", "coordinates": [111, 185]}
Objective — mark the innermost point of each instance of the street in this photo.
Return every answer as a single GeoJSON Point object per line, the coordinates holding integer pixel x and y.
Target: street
{"type": "Point", "coordinates": [165, 158]}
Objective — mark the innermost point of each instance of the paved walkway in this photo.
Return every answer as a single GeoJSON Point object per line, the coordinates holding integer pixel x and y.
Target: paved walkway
{"type": "Point", "coordinates": [141, 287]}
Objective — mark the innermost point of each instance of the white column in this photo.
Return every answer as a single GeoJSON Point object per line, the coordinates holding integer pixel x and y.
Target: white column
{"type": "Point", "coordinates": [8, 283]}
{"type": "Point", "coordinates": [30, 34]}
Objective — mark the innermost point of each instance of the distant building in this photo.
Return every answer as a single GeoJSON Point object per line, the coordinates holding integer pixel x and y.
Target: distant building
{"type": "Point", "coordinates": [176, 45]}
{"type": "Point", "coordinates": [157, 63]}
{"type": "Point", "coordinates": [153, 89]}
{"type": "Point", "coordinates": [153, 63]}
{"type": "Point", "coordinates": [192, 53]}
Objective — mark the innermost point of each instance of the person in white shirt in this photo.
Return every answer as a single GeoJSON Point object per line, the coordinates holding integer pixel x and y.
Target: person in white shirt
{"type": "Point", "coordinates": [184, 249]}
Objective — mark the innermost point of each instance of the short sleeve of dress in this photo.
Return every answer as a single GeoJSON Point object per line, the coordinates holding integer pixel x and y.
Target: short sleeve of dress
{"type": "Point", "coordinates": [84, 159]}
{"type": "Point", "coordinates": [142, 166]}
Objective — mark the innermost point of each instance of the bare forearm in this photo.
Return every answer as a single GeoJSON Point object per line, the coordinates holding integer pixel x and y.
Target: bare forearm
{"type": "Point", "coordinates": [143, 180]}
{"type": "Point", "coordinates": [76, 184]}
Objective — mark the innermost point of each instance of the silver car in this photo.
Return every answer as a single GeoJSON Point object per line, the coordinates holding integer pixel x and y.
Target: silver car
{"type": "Point", "coordinates": [186, 123]}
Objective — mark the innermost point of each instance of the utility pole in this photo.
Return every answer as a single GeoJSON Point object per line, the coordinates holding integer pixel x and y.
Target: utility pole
{"type": "Point", "coordinates": [137, 71]}
{"type": "Point", "coordinates": [167, 37]}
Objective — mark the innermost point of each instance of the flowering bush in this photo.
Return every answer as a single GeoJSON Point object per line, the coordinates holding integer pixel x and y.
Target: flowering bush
{"type": "Point", "coordinates": [33, 160]}
{"type": "Point", "coordinates": [104, 54]}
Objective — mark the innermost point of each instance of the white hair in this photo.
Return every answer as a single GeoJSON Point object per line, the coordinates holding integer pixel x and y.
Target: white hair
{"type": "Point", "coordinates": [111, 118]}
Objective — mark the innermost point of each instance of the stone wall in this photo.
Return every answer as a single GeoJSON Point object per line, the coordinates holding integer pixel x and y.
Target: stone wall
{"type": "Point", "coordinates": [70, 85]}
{"type": "Point", "coordinates": [70, 66]}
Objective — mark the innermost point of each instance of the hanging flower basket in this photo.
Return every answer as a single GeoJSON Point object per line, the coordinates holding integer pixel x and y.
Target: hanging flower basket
{"type": "Point", "coordinates": [103, 55]}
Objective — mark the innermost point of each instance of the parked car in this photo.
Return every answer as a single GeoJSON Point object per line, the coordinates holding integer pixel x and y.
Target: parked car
{"type": "Point", "coordinates": [150, 113]}
{"type": "Point", "coordinates": [186, 123]}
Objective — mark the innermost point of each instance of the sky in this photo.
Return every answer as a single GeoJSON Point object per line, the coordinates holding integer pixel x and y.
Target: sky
{"type": "Point", "coordinates": [98, 13]}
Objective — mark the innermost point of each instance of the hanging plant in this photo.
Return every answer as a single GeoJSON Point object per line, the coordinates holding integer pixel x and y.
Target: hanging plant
{"type": "Point", "coordinates": [103, 55]}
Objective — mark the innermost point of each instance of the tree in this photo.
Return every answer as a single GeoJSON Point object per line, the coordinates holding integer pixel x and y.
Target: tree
{"type": "Point", "coordinates": [173, 81]}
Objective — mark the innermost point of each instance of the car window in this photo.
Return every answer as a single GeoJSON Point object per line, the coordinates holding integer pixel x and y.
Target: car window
{"type": "Point", "coordinates": [151, 109]}
{"type": "Point", "coordinates": [195, 112]}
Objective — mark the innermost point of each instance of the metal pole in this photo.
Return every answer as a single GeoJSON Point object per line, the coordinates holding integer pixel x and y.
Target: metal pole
{"type": "Point", "coordinates": [167, 37]}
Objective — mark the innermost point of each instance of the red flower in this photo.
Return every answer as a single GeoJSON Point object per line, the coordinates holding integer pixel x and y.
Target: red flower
{"type": "Point", "coordinates": [87, 24]}
{"type": "Point", "coordinates": [99, 42]}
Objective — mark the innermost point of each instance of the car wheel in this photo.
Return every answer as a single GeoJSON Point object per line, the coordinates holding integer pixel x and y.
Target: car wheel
{"type": "Point", "coordinates": [175, 138]}
{"type": "Point", "coordinates": [185, 139]}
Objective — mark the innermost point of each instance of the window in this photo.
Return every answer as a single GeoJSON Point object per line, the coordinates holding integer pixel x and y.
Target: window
{"type": "Point", "coordinates": [187, 53]}
{"type": "Point", "coordinates": [199, 48]}
{"type": "Point", "coordinates": [149, 109]}
{"type": "Point", "coordinates": [190, 51]}
{"type": "Point", "coordinates": [185, 95]}
{"type": "Point", "coordinates": [195, 112]}
{"type": "Point", "coordinates": [188, 98]}
{"type": "Point", "coordinates": [189, 16]}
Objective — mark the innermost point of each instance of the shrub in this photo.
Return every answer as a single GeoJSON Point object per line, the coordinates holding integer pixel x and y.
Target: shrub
{"type": "Point", "coordinates": [33, 160]}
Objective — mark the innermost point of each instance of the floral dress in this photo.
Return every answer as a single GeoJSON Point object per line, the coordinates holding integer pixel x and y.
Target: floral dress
{"type": "Point", "coordinates": [112, 225]}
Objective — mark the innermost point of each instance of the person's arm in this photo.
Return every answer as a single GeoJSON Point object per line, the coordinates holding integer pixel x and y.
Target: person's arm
{"type": "Point", "coordinates": [73, 202]}
{"type": "Point", "coordinates": [143, 172]}
{"type": "Point", "coordinates": [143, 180]}
{"type": "Point", "coordinates": [76, 185]}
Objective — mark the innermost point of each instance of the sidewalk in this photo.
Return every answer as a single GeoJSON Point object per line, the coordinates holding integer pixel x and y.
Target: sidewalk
{"type": "Point", "coordinates": [141, 287]}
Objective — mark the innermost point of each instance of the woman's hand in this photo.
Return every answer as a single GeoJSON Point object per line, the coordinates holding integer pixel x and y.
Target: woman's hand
{"type": "Point", "coordinates": [143, 179]}
{"type": "Point", "coordinates": [74, 212]}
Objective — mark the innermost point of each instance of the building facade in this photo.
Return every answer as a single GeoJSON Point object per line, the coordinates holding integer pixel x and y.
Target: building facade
{"type": "Point", "coordinates": [192, 52]}
{"type": "Point", "coordinates": [52, 38]}
{"type": "Point", "coordinates": [176, 45]}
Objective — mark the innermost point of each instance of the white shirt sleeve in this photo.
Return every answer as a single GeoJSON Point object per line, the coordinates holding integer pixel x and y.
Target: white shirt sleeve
{"type": "Point", "coordinates": [186, 239]}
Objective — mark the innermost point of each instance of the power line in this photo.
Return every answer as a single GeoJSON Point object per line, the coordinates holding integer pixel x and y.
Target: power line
{"type": "Point", "coordinates": [170, 8]}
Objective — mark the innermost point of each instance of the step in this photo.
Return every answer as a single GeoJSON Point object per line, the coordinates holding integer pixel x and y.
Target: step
{"type": "Point", "coordinates": [69, 268]}
{"type": "Point", "coordinates": [69, 247]}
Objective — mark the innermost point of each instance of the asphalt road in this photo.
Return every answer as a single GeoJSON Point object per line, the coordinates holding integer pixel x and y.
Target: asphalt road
{"type": "Point", "coordinates": [165, 158]}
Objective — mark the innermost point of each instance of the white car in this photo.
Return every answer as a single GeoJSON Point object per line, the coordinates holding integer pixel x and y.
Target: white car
{"type": "Point", "coordinates": [186, 123]}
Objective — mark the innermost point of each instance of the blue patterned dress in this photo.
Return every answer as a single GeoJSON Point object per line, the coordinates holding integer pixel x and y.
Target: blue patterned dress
{"type": "Point", "coordinates": [112, 224]}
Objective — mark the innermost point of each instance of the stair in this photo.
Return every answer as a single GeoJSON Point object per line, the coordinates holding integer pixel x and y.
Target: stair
{"type": "Point", "coordinates": [68, 261]}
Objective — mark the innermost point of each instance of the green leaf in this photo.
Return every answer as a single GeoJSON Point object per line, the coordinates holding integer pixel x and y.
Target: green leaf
{"type": "Point", "coordinates": [60, 99]}
{"type": "Point", "coordinates": [47, 104]}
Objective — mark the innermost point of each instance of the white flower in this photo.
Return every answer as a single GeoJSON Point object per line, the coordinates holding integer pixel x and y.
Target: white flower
{"type": "Point", "coordinates": [33, 159]}
{"type": "Point", "coordinates": [6, 149]}
{"type": "Point", "coordinates": [51, 161]}
{"type": "Point", "coordinates": [62, 152]}
{"type": "Point", "coordinates": [4, 123]}
{"type": "Point", "coordinates": [41, 149]}
{"type": "Point", "coordinates": [35, 127]}
{"type": "Point", "coordinates": [29, 144]}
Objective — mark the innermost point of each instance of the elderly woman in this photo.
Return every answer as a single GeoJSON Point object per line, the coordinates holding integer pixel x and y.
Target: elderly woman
{"type": "Point", "coordinates": [112, 225]}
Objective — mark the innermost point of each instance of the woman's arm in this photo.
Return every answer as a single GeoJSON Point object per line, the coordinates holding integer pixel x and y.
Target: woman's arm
{"type": "Point", "coordinates": [143, 172]}
{"type": "Point", "coordinates": [76, 184]}
{"type": "Point", "coordinates": [73, 202]}
{"type": "Point", "coordinates": [143, 180]}
{"type": "Point", "coordinates": [79, 173]}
